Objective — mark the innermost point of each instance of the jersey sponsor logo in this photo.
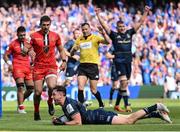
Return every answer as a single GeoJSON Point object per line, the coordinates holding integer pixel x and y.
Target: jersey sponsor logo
{"type": "Point", "coordinates": [119, 73]}
{"type": "Point", "coordinates": [86, 45]}
{"type": "Point", "coordinates": [38, 39]}
{"type": "Point", "coordinates": [52, 39]}
{"type": "Point", "coordinates": [69, 108]}
{"type": "Point", "coordinates": [108, 119]}
{"type": "Point", "coordinates": [128, 36]}
{"type": "Point", "coordinates": [17, 47]}
{"type": "Point", "coordinates": [124, 41]}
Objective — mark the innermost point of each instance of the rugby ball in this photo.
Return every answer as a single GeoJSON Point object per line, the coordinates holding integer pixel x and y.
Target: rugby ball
{"type": "Point", "coordinates": [63, 118]}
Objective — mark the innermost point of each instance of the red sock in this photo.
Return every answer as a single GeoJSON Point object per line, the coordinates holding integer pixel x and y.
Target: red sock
{"type": "Point", "coordinates": [21, 107]}
{"type": "Point", "coordinates": [36, 107]}
{"type": "Point", "coordinates": [50, 100]}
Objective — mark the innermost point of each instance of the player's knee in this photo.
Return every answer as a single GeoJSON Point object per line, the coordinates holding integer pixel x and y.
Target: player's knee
{"type": "Point", "coordinates": [30, 88]}
{"type": "Point", "coordinates": [37, 92]}
{"type": "Point", "coordinates": [130, 121]}
{"type": "Point", "coordinates": [124, 84]}
{"type": "Point", "coordinates": [51, 86]}
{"type": "Point", "coordinates": [123, 92]}
{"type": "Point", "coordinates": [93, 91]}
{"type": "Point", "coordinates": [20, 85]}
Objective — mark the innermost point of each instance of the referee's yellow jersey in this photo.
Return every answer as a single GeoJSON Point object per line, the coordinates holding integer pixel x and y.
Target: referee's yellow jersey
{"type": "Point", "coordinates": [89, 48]}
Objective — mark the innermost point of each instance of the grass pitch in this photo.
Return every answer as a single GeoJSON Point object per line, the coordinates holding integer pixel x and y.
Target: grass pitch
{"type": "Point", "coordinates": [12, 121]}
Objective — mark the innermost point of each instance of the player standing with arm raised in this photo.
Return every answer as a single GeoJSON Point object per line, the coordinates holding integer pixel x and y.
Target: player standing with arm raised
{"type": "Point", "coordinates": [122, 43]}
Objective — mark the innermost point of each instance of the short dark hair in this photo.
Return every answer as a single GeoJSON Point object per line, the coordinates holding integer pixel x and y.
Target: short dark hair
{"type": "Point", "coordinates": [120, 22]}
{"type": "Point", "coordinates": [60, 88]}
{"type": "Point", "coordinates": [45, 19]}
{"type": "Point", "coordinates": [76, 29]}
{"type": "Point", "coordinates": [21, 29]}
{"type": "Point", "coordinates": [83, 24]}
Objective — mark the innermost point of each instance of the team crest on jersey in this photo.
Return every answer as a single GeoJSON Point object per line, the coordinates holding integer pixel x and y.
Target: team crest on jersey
{"type": "Point", "coordinates": [119, 72]}
{"type": "Point", "coordinates": [38, 39]}
{"type": "Point", "coordinates": [86, 45]}
{"type": "Point", "coordinates": [46, 49]}
{"type": "Point", "coordinates": [128, 36]}
{"type": "Point", "coordinates": [52, 39]}
{"type": "Point", "coordinates": [69, 108]}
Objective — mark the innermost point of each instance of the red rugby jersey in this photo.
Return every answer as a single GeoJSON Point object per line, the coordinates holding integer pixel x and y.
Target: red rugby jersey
{"type": "Point", "coordinates": [14, 49]}
{"type": "Point", "coordinates": [42, 58]}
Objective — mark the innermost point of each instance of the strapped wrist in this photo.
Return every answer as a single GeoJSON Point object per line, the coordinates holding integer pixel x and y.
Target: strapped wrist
{"type": "Point", "coordinates": [9, 62]}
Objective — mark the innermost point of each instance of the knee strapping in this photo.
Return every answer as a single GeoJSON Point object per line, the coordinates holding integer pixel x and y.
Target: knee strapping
{"type": "Point", "coordinates": [123, 92]}
{"type": "Point", "coordinates": [29, 87]}
{"type": "Point", "coordinates": [124, 83]}
{"type": "Point", "coordinates": [93, 91]}
{"type": "Point", "coordinates": [20, 85]}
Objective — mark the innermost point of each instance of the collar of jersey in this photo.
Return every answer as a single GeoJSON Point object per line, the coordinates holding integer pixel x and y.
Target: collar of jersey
{"type": "Point", "coordinates": [87, 37]}
{"type": "Point", "coordinates": [43, 33]}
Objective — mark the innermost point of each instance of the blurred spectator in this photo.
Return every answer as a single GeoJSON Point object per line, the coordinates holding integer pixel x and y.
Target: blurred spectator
{"type": "Point", "coordinates": [169, 85]}
{"type": "Point", "coordinates": [156, 44]}
{"type": "Point", "coordinates": [136, 77]}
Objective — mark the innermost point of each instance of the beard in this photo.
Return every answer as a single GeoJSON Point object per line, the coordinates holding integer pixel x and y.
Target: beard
{"type": "Point", "coordinates": [46, 30]}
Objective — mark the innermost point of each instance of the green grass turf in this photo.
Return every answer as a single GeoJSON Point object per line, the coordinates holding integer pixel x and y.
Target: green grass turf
{"type": "Point", "coordinates": [12, 121]}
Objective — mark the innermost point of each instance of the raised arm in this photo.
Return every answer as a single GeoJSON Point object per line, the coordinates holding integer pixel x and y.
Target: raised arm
{"type": "Point", "coordinates": [143, 18]}
{"type": "Point", "coordinates": [106, 40]}
{"type": "Point", "coordinates": [101, 21]}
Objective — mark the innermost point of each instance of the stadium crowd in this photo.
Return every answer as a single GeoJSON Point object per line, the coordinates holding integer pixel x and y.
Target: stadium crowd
{"type": "Point", "coordinates": [155, 46]}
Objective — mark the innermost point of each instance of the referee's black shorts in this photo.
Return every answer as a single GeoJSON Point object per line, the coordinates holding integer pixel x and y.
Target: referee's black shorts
{"type": "Point", "coordinates": [89, 70]}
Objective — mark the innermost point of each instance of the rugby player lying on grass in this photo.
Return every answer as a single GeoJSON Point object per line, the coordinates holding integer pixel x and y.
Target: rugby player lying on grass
{"type": "Point", "coordinates": [76, 114]}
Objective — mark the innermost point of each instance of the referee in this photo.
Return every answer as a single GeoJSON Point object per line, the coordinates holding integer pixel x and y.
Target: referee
{"type": "Point", "coordinates": [88, 44]}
